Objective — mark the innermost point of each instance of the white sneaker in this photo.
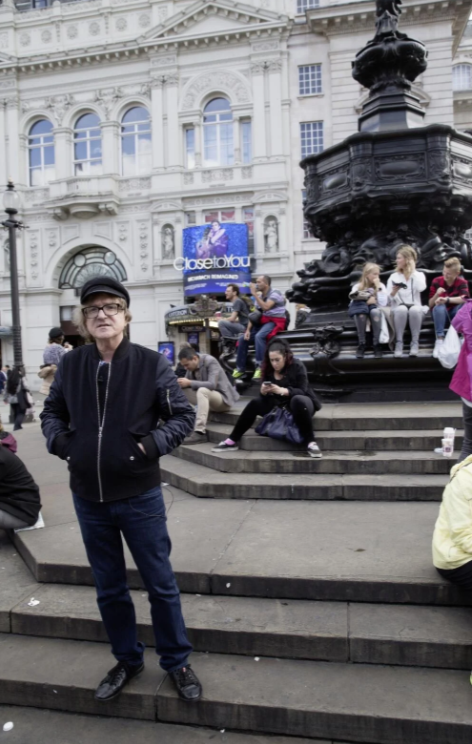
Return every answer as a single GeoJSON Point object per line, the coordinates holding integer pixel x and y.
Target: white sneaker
{"type": "Point", "coordinates": [414, 348]}
{"type": "Point", "coordinates": [398, 349]}
{"type": "Point", "coordinates": [313, 450]}
{"type": "Point", "coordinates": [437, 346]}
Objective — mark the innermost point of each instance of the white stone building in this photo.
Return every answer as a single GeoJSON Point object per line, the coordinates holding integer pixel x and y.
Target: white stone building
{"type": "Point", "coordinates": [123, 121]}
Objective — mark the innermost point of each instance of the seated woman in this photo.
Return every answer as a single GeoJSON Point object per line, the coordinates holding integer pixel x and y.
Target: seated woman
{"type": "Point", "coordinates": [367, 296]}
{"type": "Point", "coordinates": [19, 495]}
{"type": "Point", "coordinates": [404, 289]}
{"type": "Point", "coordinates": [284, 380]}
{"type": "Point", "coordinates": [452, 538]}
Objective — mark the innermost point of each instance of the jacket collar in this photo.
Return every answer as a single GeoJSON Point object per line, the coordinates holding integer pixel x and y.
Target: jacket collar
{"type": "Point", "coordinates": [120, 353]}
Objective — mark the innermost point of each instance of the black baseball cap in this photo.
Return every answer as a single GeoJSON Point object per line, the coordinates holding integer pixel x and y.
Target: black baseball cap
{"type": "Point", "coordinates": [106, 285]}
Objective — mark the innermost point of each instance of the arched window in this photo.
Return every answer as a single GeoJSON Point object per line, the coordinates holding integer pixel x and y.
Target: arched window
{"type": "Point", "coordinates": [462, 77]}
{"type": "Point", "coordinates": [136, 142]}
{"type": "Point", "coordinates": [41, 153]}
{"type": "Point", "coordinates": [87, 146]}
{"type": "Point", "coordinates": [90, 262]}
{"type": "Point", "coordinates": [218, 133]}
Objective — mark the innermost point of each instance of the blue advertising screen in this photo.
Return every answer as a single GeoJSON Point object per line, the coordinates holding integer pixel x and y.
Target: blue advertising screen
{"type": "Point", "coordinates": [168, 350]}
{"type": "Point", "coordinates": [214, 255]}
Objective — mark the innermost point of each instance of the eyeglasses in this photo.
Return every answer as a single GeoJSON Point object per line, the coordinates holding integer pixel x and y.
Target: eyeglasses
{"type": "Point", "coordinates": [111, 308]}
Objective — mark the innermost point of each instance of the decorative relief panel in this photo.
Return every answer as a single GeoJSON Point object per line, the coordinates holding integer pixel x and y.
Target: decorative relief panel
{"type": "Point", "coordinates": [72, 32]}
{"type": "Point", "coordinates": [122, 228]}
{"type": "Point", "coordinates": [46, 36]}
{"type": "Point", "coordinates": [188, 178]}
{"type": "Point", "coordinates": [220, 174]}
{"type": "Point", "coordinates": [94, 29]}
{"type": "Point", "coordinates": [134, 184]}
{"type": "Point", "coordinates": [144, 245]}
{"type": "Point", "coordinates": [34, 253]}
{"type": "Point", "coordinates": [224, 80]}
{"type": "Point", "coordinates": [144, 20]}
{"type": "Point", "coordinates": [399, 167]}
{"type": "Point", "coordinates": [121, 24]}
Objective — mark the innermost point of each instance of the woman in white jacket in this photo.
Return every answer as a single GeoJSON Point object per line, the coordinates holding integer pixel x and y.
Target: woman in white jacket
{"type": "Point", "coordinates": [404, 289]}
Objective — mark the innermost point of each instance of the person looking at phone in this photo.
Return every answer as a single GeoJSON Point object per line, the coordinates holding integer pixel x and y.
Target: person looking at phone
{"type": "Point", "coordinates": [446, 295]}
{"type": "Point", "coordinates": [404, 289]}
{"type": "Point", "coordinates": [367, 297]}
{"type": "Point", "coordinates": [284, 382]}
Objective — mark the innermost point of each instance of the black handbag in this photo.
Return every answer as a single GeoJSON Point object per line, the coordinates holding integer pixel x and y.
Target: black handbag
{"type": "Point", "coordinates": [279, 424]}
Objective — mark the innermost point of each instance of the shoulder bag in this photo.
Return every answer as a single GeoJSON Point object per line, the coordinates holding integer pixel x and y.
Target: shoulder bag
{"type": "Point", "coordinates": [279, 424]}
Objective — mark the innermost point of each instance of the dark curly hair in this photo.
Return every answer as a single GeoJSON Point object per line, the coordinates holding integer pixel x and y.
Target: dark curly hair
{"type": "Point", "coordinates": [277, 344]}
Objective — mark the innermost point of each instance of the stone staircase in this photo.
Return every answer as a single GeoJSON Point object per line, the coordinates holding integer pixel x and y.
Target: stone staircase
{"type": "Point", "coordinates": [308, 593]}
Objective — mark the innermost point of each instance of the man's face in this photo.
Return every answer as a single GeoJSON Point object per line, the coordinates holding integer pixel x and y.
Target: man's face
{"type": "Point", "coordinates": [229, 293]}
{"type": "Point", "coordinates": [190, 364]}
{"type": "Point", "coordinates": [105, 327]}
{"type": "Point", "coordinates": [261, 284]}
{"type": "Point", "coordinates": [450, 274]}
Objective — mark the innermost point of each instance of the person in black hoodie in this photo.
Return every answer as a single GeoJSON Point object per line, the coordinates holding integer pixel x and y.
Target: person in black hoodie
{"type": "Point", "coordinates": [19, 495]}
{"type": "Point", "coordinates": [102, 417]}
{"type": "Point", "coordinates": [285, 381]}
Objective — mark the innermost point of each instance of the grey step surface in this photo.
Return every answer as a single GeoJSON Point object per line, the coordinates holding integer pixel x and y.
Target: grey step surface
{"type": "Point", "coordinates": [53, 727]}
{"type": "Point", "coordinates": [335, 463]}
{"type": "Point", "coordinates": [381, 440]}
{"type": "Point", "coordinates": [372, 416]}
{"type": "Point", "coordinates": [347, 702]}
{"type": "Point", "coordinates": [352, 702]}
{"type": "Point", "coordinates": [330, 631]}
{"type": "Point", "coordinates": [350, 551]}
{"type": "Point", "coordinates": [205, 482]}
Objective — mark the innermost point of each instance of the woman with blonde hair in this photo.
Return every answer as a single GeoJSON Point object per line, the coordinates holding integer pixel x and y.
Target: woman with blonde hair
{"type": "Point", "coordinates": [367, 297]}
{"type": "Point", "coordinates": [404, 289]}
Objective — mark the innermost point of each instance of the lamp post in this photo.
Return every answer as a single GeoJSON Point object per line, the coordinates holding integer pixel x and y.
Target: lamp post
{"type": "Point", "coordinates": [11, 202]}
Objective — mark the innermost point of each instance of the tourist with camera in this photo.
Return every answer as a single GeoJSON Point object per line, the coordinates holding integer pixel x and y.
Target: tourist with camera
{"type": "Point", "coordinates": [367, 297]}
{"type": "Point", "coordinates": [284, 384]}
{"type": "Point", "coordinates": [404, 288]}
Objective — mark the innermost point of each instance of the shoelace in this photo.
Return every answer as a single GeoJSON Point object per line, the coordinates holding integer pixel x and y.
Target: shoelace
{"type": "Point", "coordinates": [185, 677]}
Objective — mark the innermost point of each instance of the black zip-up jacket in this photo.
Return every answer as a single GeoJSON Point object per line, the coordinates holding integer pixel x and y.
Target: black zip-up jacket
{"type": "Point", "coordinates": [96, 414]}
{"type": "Point", "coordinates": [19, 494]}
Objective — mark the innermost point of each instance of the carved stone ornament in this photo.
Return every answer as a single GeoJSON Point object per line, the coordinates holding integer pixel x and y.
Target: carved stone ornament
{"type": "Point", "coordinates": [46, 36]}
{"type": "Point", "coordinates": [167, 242]}
{"type": "Point", "coordinates": [144, 20]}
{"type": "Point", "coordinates": [271, 235]}
{"type": "Point", "coordinates": [107, 97]}
{"type": "Point", "coordinates": [223, 80]}
{"type": "Point", "coordinates": [94, 29]}
{"type": "Point", "coordinates": [72, 32]}
{"type": "Point", "coordinates": [121, 24]}
{"type": "Point", "coordinates": [59, 105]}
{"type": "Point", "coordinates": [25, 40]}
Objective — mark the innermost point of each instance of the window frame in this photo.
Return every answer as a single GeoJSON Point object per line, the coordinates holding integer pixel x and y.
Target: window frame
{"type": "Point", "coordinates": [304, 5]}
{"type": "Point", "coordinates": [87, 140]}
{"type": "Point", "coordinates": [218, 143]}
{"type": "Point", "coordinates": [318, 79]}
{"type": "Point", "coordinates": [304, 138]}
{"type": "Point", "coordinates": [41, 146]}
{"type": "Point", "coordinates": [135, 136]}
{"type": "Point", "coordinates": [456, 84]}
{"type": "Point", "coordinates": [246, 155]}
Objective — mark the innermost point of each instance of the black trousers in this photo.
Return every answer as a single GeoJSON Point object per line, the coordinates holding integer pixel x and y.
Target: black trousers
{"type": "Point", "coordinates": [301, 407]}
{"type": "Point", "coordinates": [461, 576]}
{"type": "Point", "coordinates": [19, 415]}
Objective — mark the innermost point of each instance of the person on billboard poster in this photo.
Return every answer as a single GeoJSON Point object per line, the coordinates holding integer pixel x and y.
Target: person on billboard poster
{"type": "Point", "coordinates": [203, 245]}
{"type": "Point", "coordinates": [218, 240]}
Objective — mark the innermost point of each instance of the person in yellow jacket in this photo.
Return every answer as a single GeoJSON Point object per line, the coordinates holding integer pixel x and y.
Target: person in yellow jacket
{"type": "Point", "coordinates": [452, 538]}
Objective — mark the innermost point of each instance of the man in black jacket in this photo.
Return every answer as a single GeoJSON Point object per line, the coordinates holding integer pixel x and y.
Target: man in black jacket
{"type": "Point", "coordinates": [101, 416]}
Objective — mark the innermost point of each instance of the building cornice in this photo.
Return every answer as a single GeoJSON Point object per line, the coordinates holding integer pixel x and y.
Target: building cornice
{"type": "Point", "coordinates": [360, 16]}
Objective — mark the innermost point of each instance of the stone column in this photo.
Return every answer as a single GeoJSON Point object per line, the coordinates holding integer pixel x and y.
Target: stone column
{"type": "Point", "coordinates": [157, 115]}
{"type": "Point", "coordinates": [275, 98]}
{"type": "Point", "coordinates": [13, 141]}
{"type": "Point", "coordinates": [111, 147]}
{"type": "Point", "coordinates": [259, 123]}
{"type": "Point", "coordinates": [237, 141]}
{"type": "Point", "coordinates": [174, 158]}
{"type": "Point", "coordinates": [197, 125]}
{"type": "Point", "coordinates": [3, 154]}
{"type": "Point", "coordinates": [63, 152]}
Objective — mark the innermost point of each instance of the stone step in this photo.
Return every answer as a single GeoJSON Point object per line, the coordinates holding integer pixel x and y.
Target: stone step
{"type": "Point", "coordinates": [316, 550]}
{"type": "Point", "coordinates": [293, 629]}
{"type": "Point", "coordinates": [330, 700]}
{"type": "Point", "coordinates": [300, 463]}
{"type": "Point", "coordinates": [314, 479]}
{"type": "Point", "coordinates": [382, 440]}
{"type": "Point", "coordinates": [54, 727]}
{"type": "Point", "coordinates": [372, 416]}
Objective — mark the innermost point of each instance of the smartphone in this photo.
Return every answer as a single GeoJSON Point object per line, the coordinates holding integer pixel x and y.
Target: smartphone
{"type": "Point", "coordinates": [400, 284]}
{"type": "Point", "coordinates": [266, 384]}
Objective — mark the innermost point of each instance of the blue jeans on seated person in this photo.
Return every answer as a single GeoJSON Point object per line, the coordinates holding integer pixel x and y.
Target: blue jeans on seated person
{"type": "Point", "coordinates": [442, 316]}
{"type": "Point", "coordinates": [142, 522]}
{"type": "Point", "coordinates": [259, 337]}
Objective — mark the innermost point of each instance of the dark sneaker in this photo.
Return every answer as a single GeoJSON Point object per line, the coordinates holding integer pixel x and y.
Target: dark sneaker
{"type": "Point", "coordinates": [198, 437]}
{"type": "Point", "coordinates": [360, 351]}
{"type": "Point", "coordinates": [187, 684]}
{"type": "Point", "coordinates": [377, 351]}
{"type": "Point", "coordinates": [223, 447]}
{"type": "Point", "coordinates": [116, 679]}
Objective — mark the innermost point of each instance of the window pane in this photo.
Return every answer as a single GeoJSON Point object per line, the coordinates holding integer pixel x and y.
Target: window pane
{"type": "Point", "coordinates": [227, 215]}
{"type": "Point", "coordinates": [190, 147]}
{"type": "Point", "coordinates": [41, 127]}
{"type": "Point", "coordinates": [190, 218]}
{"type": "Point", "coordinates": [144, 144]}
{"type": "Point", "coordinates": [246, 135]}
{"type": "Point", "coordinates": [35, 157]}
{"type": "Point", "coordinates": [218, 104]}
{"type": "Point", "coordinates": [303, 5]}
{"type": "Point", "coordinates": [311, 136]}
{"type": "Point", "coordinates": [138, 113]}
{"type": "Point", "coordinates": [309, 80]}
{"type": "Point", "coordinates": [87, 121]}
{"type": "Point", "coordinates": [49, 173]}
{"type": "Point", "coordinates": [211, 216]}
{"type": "Point", "coordinates": [128, 145]}
{"type": "Point", "coordinates": [96, 149]}
{"type": "Point", "coordinates": [36, 177]}
{"type": "Point", "coordinates": [462, 77]}
{"type": "Point", "coordinates": [128, 164]}
{"type": "Point", "coordinates": [48, 155]}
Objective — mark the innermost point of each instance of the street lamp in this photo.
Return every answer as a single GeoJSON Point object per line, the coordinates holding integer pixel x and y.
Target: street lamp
{"type": "Point", "coordinates": [11, 203]}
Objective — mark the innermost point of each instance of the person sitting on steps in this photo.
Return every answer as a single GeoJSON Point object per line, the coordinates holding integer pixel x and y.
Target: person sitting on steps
{"type": "Point", "coordinates": [271, 303]}
{"type": "Point", "coordinates": [205, 384]}
{"type": "Point", "coordinates": [20, 502]}
{"type": "Point", "coordinates": [284, 380]}
{"type": "Point", "coordinates": [366, 297]}
{"type": "Point", "coordinates": [404, 289]}
{"type": "Point", "coordinates": [446, 295]}
{"type": "Point", "coordinates": [238, 320]}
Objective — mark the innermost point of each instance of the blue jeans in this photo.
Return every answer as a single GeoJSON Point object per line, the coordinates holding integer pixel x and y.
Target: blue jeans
{"type": "Point", "coordinates": [142, 522]}
{"type": "Point", "coordinates": [259, 336]}
{"type": "Point", "coordinates": [442, 317]}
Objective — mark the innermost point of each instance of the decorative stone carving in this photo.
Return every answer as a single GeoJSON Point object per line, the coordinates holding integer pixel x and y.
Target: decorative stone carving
{"type": "Point", "coordinates": [107, 97]}
{"type": "Point", "coordinates": [143, 244]}
{"type": "Point", "coordinates": [222, 174]}
{"type": "Point", "coordinates": [122, 231]}
{"type": "Point", "coordinates": [121, 24]}
{"type": "Point", "coordinates": [134, 184]}
{"type": "Point", "coordinates": [271, 235]}
{"type": "Point", "coordinates": [144, 20]}
{"type": "Point", "coordinates": [162, 13]}
{"type": "Point", "coordinates": [246, 172]}
{"type": "Point", "coordinates": [25, 40]}
{"type": "Point", "coordinates": [167, 242]}
{"type": "Point", "coordinates": [36, 196]}
{"type": "Point", "coordinates": [3, 41]}
{"type": "Point", "coordinates": [72, 32]}
{"type": "Point", "coordinates": [59, 105]}
{"type": "Point", "coordinates": [52, 238]}
{"type": "Point", "coordinates": [94, 29]}
{"type": "Point", "coordinates": [223, 80]}
{"type": "Point", "coordinates": [46, 36]}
